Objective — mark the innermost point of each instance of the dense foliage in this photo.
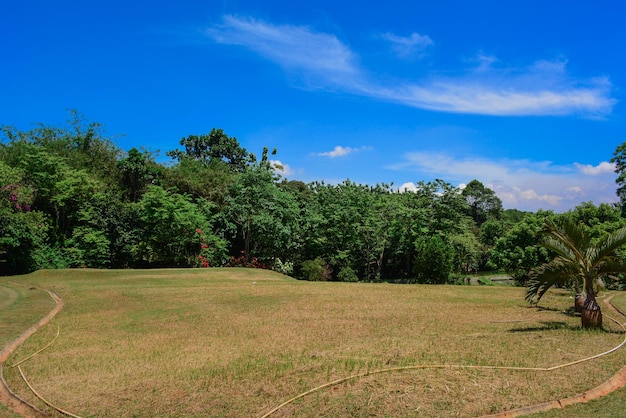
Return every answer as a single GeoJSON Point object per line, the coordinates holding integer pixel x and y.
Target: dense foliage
{"type": "Point", "coordinates": [69, 197]}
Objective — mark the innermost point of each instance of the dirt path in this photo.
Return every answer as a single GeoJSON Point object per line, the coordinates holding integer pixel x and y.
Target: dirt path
{"type": "Point", "coordinates": [7, 397]}
{"type": "Point", "coordinates": [25, 409]}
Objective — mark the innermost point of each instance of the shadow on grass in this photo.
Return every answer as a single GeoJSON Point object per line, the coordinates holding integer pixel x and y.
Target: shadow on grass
{"type": "Point", "coordinates": [569, 311]}
{"type": "Point", "coordinates": [558, 325]}
{"type": "Point", "coordinates": [546, 326]}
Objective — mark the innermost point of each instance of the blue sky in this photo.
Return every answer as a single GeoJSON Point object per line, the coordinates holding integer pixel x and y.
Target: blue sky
{"type": "Point", "coordinates": [525, 96]}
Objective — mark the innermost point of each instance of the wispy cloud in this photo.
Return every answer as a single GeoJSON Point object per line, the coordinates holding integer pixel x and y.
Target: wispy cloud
{"type": "Point", "coordinates": [542, 88]}
{"type": "Point", "coordinates": [295, 48]}
{"type": "Point", "coordinates": [521, 184]}
{"type": "Point", "coordinates": [340, 151]}
{"type": "Point", "coordinates": [410, 46]}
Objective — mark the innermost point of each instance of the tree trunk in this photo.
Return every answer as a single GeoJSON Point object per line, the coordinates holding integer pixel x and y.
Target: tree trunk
{"type": "Point", "coordinates": [591, 315]}
{"type": "Point", "coordinates": [579, 302]}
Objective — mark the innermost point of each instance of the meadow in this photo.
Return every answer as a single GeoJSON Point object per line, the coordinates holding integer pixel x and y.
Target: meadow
{"type": "Point", "coordinates": [239, 342]}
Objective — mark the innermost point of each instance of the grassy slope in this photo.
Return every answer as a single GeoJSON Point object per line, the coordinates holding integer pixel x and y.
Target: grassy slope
{"type": "Point", "coordinates": [20, 307]}
{"type": "Point", "coordinates": [232, 342]}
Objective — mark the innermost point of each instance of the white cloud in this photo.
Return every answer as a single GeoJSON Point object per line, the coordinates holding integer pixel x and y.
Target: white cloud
{"type": "Point", "coordinates": [541, 88]}
{"type": "Point", "coordinates": [520, 184]}
{"type": "Point", "coordinates": [281, 168]}
{"type": "Point", "coordinates": [602, 168]}
{"type": "Point", "coordinates": [340, 151]}
{"type": "Point", "coordinates": [408, 187]}
{"type": "Point", "coordinates": [530, 195]}
{"type": "Point", "coordinates": [407, 46]}
{"type": "Point", "coordinates": [575, 190]}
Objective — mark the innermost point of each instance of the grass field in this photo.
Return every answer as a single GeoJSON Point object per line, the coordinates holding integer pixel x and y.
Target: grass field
{"type": "Point", "coordinates": [237, 343]}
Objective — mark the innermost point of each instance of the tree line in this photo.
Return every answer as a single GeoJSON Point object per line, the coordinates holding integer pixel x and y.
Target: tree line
{"type": "Point", "coordinates": [69, 197]}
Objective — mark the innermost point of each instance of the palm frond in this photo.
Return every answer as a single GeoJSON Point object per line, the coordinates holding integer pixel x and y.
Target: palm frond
{"type": "Point", "coordinates": [565, 237]}
{"type": "Point", "coordinates": [611, 265]}
{"type": "Point", "coordinates": [557, 272]}
{"type": "Point", "coordinates": [554, 244]}
{"type": "Point", "coordinates": [577, 258]}
{"type": "Point", "coordinates": [611, 243]}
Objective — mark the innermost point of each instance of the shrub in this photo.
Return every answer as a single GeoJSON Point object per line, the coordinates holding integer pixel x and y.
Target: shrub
{"type": "Point", "coordinates": [283, 267]}
{"type": "Point", "coordinates": [346, 274]}
{"type": "Point", "coordinates": [242, 261]}
{"type": "Point", "coordinates": [315, 270]}
{"type": "Point", "coordinates": [433, 262]}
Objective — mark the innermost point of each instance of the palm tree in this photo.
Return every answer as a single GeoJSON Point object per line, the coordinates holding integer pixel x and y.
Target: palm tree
{"type": "Point", "coordinates": [579, 261]}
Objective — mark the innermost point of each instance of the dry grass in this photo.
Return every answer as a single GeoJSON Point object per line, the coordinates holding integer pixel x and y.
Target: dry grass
{"type": "Point", "coordinates": [236, 343]}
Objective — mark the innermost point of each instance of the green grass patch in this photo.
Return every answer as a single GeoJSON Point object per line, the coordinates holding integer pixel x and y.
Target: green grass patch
{"type": "Point", "coordinates": [21, 306]}
{"type": "Point", "coordinates": [610, 406]}
{"type": "Point", "coordinates": [619, 301]}
{"type": "Point", "coordinates": [237, 342]}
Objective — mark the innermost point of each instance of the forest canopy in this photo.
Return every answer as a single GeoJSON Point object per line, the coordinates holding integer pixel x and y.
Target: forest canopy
{"type": "Point", "coordinates": [69, 197]}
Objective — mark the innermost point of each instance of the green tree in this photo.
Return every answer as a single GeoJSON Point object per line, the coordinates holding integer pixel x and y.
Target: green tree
{"type": "Point", "coordinates": [213, 148]}
{"type": "Point", "coordinates": [433, 262]}
{"type": "Point", "coordinates": [466, 252]}
{"type": "Point", "coordinates": [580, 259]}
{"type": "Point", "coordinates": [348, 228]}
{"type": "Point", "coordinates": [138, 171]}
{"type": "Point", "coordinates": [619, 159]}
{"type": "Point", "coordinates": [447, 207]}
{"type": "Point", "coordinates": [22, 231]}
{"type": "Point", "coordinates": [173, 230]}
{"type": "Point", "coordinates": [598, 219]}
{"type": "Point", "coordinates": [262, 215]}
{"type": "Point", "coordinates": [482, 201]}
{"type": "Point", "coordinates": [518, 252]}
{"type": "Point", "coordinates": [81, 144]}
{"type": "Point", "coordinates": [105, 233]}
{"type": "Point", "coordinates": [409, 217]}
{"type": "Point", "coordinates": [490, 231]}
{"type": "Point", "coordinates": [200, 180]}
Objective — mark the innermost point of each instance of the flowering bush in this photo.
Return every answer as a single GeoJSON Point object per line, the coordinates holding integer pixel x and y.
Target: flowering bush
{"type": "Point", "coordinates": [11, 194]}
{"type": "Point", "coordinates": [241, 261]}
{"type": "Point", "coordinates": [210, 253]}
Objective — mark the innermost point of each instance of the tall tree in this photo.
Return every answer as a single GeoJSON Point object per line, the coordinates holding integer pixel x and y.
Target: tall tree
{"type": "Point", "coordinates": [433, 262]}
{"type": "Point", "coordinates": [22, 231]}
{"type": "Point", "coordinates": [518, 252]}
{"type": "Point", "coordinates": [173, 230]}
{"type": "Point", "coordinates": [213, 148]}
{"type": "Point", "coordinates": [482, 201]}
{"type": "Point", "coordinates": [580, 259]}
{"type": "Point", "coordinates": [138, 171]}
{"type": "Point", "coordinates": [619, 159]}
{"type": "Point", "coordinates": [262, 215]}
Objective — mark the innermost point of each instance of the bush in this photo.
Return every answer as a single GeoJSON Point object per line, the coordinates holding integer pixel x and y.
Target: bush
{"type": "Point", "coordinates": [283, 267]}
{"type": "Point", "coordinates": [53, 257]}
{"type": "Point", "coordinates": [433, 262]}
{"type": "Point", "coordinates": [242, 261]}
{"type": "Point", "coordinates": [346, 274]}
{"type": "Point", "coordinates": [315, 270]}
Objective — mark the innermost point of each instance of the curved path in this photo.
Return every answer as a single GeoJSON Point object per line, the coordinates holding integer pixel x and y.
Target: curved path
{"type": "Point", "coordinates": [618, 381]}
{"type": "Point", "coordinates": [7, 397]}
